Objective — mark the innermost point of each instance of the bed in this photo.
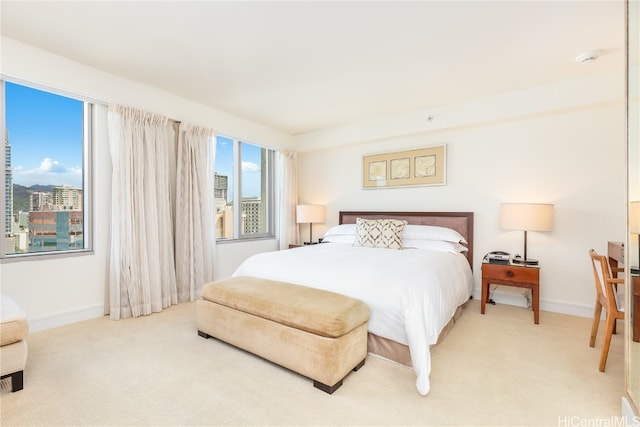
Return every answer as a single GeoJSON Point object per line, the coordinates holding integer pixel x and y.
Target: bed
{"type": "Point", "coordinates": [414, 294]}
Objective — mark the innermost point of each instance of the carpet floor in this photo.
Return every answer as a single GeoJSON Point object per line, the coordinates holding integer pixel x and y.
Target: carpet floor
{"type": "Point", "coordinates": [496, 369]}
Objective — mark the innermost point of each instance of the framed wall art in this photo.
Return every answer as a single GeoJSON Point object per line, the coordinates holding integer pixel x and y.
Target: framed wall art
{"type": "Point", "coordinates": [423, 166]}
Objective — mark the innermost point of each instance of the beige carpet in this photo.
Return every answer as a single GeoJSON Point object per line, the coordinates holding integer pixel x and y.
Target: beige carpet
{"type": "Point", "coordinates": [497, 369]}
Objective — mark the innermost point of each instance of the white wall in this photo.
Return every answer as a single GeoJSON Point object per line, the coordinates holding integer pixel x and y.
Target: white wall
{"type": "Point", "coordinates": [563, 144]}
{"type": "Point", "coordinates": [63, 290]}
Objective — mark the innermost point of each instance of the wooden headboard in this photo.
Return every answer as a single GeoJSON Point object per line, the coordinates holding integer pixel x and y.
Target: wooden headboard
{"type": "Point", "coordinates": [462, 222]}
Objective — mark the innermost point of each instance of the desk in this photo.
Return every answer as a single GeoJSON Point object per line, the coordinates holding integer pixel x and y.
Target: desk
{"type": "Point", "coordinates": [615, 252]}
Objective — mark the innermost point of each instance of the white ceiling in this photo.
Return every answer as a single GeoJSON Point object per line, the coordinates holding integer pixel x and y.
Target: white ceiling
{"type": "Point", "coordinates": [300, 66]}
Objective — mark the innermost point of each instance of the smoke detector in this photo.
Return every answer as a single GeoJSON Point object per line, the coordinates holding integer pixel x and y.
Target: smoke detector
{"type": "Point", "coordinates": [589, 56]}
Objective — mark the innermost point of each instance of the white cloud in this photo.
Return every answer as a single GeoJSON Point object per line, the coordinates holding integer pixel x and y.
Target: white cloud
{"type": "Point", "coordinates": [50, 166]}
{"type": "Point", "coordinates": [49, 172]}
{"type": "Point", "coordinates": [250, 167]}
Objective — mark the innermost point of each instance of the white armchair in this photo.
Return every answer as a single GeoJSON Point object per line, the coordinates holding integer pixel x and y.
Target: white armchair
{"type": "Point", "coordinates": [14, 328]}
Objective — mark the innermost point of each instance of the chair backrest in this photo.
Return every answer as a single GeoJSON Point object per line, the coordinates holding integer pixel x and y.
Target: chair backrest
{"type": "Point", "coordinates": [604, 281]}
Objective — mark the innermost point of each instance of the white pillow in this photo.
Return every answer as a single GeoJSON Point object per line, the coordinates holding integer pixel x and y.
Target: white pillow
{"type": "Point", "coordinates": [342, 229]}
{"type": "Point", "coordinates": [410, 232]}
{"type": "Point", "coordinates": [432, 232]}
{"type": "Point", "coordinates": [379, 233]}
{"type": "Point", "coordinates": [436, 245]}
{"type": "Point", "coordinates": [340, 238]}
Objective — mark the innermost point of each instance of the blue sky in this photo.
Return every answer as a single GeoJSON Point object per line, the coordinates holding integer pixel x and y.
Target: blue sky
{"type": "Point", "coordinates": [45, 134]}
{"type": "Point", "coordinates": [251, 155]}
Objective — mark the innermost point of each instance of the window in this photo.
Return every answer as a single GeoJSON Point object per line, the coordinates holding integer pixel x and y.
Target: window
{"type": "Point", "coordinates": [243, 190]}
{"type": "Point", "coordinates": [46, 153]}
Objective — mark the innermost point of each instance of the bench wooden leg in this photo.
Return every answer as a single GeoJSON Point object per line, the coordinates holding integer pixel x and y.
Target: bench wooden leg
{"type": "Point", "coordinates": [327, 388]}
{"type": "Point", "coordinates": [17, 380]}
{"type": "Point", "coordinates": [331, 388]}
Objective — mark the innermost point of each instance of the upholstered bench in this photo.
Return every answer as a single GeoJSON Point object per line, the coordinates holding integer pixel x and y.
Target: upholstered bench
{"type": "Point", "coordinates": [319, 334]}
{"type": "Point", "coordinates": [14, 327]}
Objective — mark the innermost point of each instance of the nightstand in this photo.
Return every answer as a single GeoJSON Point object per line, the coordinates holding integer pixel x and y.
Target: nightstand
{"type": "Point", "coordinates": [295, 246]}
{"type": "Point", "coordinates": [512, 275]}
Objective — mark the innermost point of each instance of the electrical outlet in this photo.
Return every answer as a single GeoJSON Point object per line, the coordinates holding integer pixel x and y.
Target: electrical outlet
{"type": "Point", "coordinates": [527, 296]}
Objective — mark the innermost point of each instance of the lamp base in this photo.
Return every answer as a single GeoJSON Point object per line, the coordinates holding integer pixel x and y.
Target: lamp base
{"type": "Point", "coordinates": [522, 261]}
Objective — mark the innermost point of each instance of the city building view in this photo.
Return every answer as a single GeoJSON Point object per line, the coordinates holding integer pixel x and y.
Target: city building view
{"type": "Point", "coordinates": [8, 185]}
{"type": "Point", "coordinates": [45, 138]}
{"type": "Point", "coordinates": [252, 211]}
{"type": "Point", "coordinates": [52, 219]}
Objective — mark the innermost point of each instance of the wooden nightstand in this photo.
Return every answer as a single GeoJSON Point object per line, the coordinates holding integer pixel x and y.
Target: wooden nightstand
{"type": "Point", "coordinates": [295, 246]}
{"type": "Point", "coordinates": [512, 275]}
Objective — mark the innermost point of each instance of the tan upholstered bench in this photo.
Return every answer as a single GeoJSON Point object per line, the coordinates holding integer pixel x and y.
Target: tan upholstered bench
{"type": "Point", "coordinates": [319, 334]}
{"type": "Point", "coordinates": [14, 328]}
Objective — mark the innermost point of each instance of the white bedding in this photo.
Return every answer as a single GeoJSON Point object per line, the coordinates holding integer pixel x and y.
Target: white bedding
{"type": "Point", "coordinates": [412, 293]}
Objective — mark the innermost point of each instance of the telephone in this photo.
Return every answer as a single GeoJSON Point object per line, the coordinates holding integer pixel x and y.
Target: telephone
{"type": "Point", "coordinates": [497, 257]}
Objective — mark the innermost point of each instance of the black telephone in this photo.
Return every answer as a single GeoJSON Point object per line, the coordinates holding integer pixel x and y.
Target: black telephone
{"type": "Point", "coordinates": [497, 257]}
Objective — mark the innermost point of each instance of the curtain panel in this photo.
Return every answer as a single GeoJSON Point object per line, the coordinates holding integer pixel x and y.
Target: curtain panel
{"type": "Point", "coordinates": [287, 198]}
{"type": "Point", "coordinates": [142, 276]}
{"type": "Point", "coordinates": [195, 231]}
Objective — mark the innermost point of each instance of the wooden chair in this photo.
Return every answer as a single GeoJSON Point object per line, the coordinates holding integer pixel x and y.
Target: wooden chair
{"type": "Point", "coordinates": [606, 298]}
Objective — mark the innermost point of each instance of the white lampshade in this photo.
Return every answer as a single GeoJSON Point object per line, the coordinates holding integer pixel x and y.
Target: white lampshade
{"type": "Point", "coordinates": [634, 218]}
{"type": "Point", "coordinates": [309, 214]}
{"type": "Point", "coordinates": [526, 216]}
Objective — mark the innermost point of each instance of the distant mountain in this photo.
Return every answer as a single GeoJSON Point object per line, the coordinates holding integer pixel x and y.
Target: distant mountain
{"type": "Point", "coordinates": [38, 187]}
{"type": "Point", "coordinates": [21, 195]}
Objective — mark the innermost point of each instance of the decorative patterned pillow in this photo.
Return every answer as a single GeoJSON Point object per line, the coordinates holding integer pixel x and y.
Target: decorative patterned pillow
{"type": "Point", "coordinates": [379, 233]}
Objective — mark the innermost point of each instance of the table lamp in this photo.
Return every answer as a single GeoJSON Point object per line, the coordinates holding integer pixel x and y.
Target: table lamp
{"type": "Point", "coordinates": [309, 214]}
{"type": "Point", "coordinates": [634, 228]}
{"type": "Point", "coordinates": [526, 217]}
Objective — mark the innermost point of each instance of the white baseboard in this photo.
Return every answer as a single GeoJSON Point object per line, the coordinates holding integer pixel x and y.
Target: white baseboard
{"type": "Point", "coordinates": [567, 308]}
{"type": "Point", "coordinates": [60, 319]}
{"type": "Point", "coordinates": [628, 414]}
{"type": "Point", "coordinates": [510, 298]}
{"type": "Point", "coordinates": [514, 297]}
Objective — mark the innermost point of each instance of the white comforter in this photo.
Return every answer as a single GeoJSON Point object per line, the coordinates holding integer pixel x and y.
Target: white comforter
{"type": "Point", "coordinates": [412, 293]}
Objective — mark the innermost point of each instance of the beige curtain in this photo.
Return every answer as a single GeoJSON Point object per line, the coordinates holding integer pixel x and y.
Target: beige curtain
{"type": "Point", "coordinates": [142, 275]}
{"type": "Point", "coordinates": [195, 231]}
{"type": "Point", "coordinates": [287, 198]}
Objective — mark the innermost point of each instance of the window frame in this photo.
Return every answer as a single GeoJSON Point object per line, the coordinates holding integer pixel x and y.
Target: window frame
{"type": "Point", "coordinates": [269, 175]}
{"type": "Point", "coordinates": [88, 140]}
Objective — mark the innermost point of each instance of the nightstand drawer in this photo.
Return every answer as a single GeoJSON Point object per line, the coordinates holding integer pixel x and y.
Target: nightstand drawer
{"type": "Point", "coordinates": [510, 272]}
